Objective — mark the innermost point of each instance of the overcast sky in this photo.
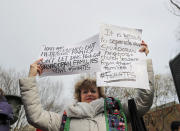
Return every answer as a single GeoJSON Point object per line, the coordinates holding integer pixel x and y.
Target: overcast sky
{"type": "Point", "coordinates": [25, 25]}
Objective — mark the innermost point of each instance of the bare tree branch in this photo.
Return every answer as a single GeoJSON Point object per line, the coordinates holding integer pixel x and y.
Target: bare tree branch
{"type": "Point", "coordinates": [175, 4]}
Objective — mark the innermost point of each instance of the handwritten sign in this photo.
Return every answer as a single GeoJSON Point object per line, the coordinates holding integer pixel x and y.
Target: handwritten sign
{"type": "Point", "coordinates": [122, 65]}
{"type": "Point", "coordinates": [64, 60]}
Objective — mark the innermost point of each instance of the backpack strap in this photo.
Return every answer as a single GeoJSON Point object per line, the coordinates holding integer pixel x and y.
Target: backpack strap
{"type": "Point", "coordinates": [114, 115]}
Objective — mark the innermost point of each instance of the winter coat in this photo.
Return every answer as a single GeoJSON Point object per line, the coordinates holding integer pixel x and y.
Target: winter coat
{"type": "Point", "coordinates": [84, 116]}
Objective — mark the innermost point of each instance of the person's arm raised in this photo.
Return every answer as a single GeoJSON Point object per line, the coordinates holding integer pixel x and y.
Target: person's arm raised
{"type": "Point", "coordinates": [144, 98]}
{"type": "Point", "coordinates": [36, 115]}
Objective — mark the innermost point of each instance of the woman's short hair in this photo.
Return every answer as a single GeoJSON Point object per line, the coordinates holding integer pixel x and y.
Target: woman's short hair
{"type": "Point", "coordinates": [87, 84]}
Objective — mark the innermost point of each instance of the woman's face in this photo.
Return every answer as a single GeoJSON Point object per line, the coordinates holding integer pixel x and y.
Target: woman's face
{"type": "Point", "coordinates": [88, 95]}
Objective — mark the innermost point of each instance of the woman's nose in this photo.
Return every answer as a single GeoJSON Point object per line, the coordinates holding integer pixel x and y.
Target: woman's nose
{"type": "Point", "coordinates": [89, 92]}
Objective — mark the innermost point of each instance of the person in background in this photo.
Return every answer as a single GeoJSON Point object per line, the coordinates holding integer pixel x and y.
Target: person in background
{"type": "Point", "coordinates": [6, 113]}
{"type": "Point", "coordinates": [16, 104]}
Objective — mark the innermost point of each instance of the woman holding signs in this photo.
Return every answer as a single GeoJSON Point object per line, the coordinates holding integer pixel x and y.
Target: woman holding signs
{"type": "Point", "coordinates": [93, 111]}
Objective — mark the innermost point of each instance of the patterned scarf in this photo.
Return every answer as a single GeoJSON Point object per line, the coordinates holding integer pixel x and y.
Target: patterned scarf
{"type": "Point", "coordinates": [115, 117]}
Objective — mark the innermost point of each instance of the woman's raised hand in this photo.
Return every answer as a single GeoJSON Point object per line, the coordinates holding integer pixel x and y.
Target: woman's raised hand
{"type": "Point", "coordinates": [144, 48]}
{"type": "Point", "coordinates": [35, 68]}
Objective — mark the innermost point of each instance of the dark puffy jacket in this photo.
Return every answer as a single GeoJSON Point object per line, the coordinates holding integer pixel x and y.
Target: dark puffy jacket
{"type": "Point", "coordinates": [6, 114]}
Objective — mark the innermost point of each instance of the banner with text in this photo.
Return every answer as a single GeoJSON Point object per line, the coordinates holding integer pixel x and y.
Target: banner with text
{"type": "Point", "coordinates": [64, 60]}
{"type": "Point", "coordinates": [122, 65]}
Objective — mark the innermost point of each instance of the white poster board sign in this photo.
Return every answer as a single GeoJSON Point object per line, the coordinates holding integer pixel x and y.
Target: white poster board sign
{"type": "Point", "coordinates": [122, 65]}
{"type": "Point", "coordinates": [64, 60]}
